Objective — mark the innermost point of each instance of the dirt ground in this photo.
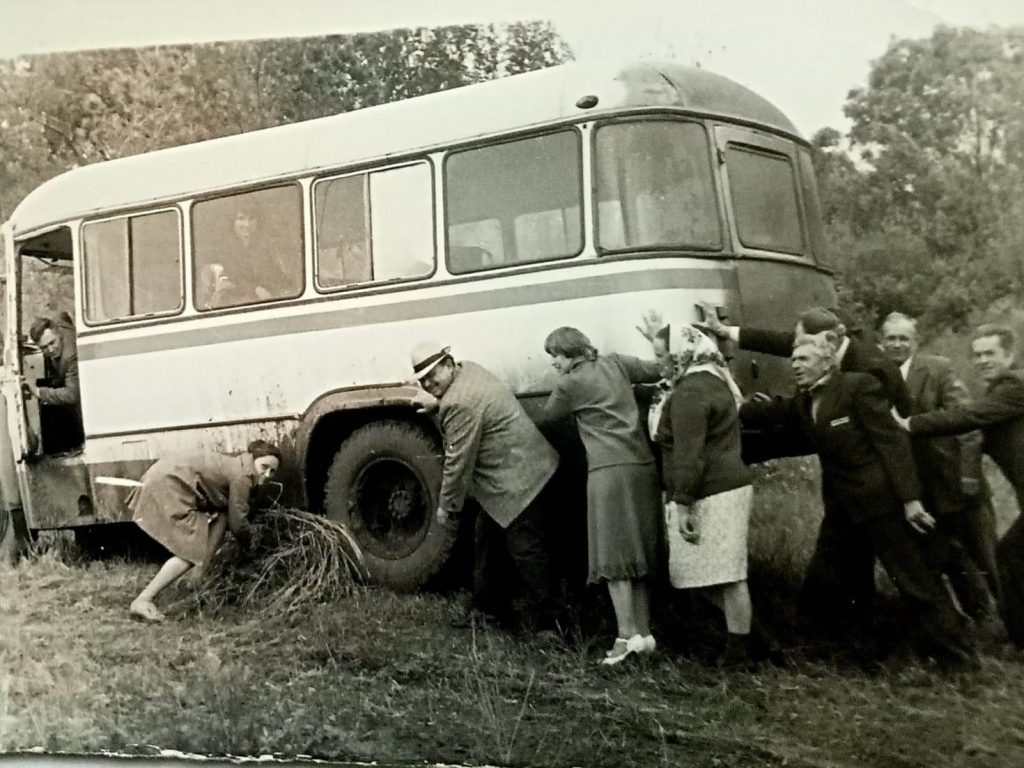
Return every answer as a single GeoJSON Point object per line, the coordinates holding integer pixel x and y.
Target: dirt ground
{"type": "Point", "coordinates": [383, 677]}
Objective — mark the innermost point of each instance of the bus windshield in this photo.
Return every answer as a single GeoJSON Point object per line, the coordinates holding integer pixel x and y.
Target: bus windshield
{"type": "Point", "coordinates": [654, 187]}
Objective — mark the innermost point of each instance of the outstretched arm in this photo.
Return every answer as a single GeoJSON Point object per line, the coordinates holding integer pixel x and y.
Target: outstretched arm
{"type": "Point", "coordinates": [1005, 401]}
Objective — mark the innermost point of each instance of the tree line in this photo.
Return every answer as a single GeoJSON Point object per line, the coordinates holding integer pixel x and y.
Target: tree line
{"type": "Point", "coordinates": [924, 195]}
{"type": "Point", "coordinates": [62, 111]}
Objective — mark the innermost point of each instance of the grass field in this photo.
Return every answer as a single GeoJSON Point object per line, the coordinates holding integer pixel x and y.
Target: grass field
{"type": "Point", "coordinates": [380, 676]}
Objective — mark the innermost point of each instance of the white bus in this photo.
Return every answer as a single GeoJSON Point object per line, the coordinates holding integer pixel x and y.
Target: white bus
{"type": "Point", "coordinates": [271, 284]}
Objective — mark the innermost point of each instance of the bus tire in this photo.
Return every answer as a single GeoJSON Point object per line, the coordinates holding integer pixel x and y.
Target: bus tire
{"type": "Point", "coordinates": [384, 484]}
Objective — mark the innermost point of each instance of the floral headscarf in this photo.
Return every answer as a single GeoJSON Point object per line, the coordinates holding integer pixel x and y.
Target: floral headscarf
{"type": "Point", "coordinates": [691, 351]}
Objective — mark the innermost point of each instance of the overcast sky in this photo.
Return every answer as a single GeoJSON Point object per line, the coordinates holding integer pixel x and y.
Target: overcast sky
{"type": "Point", "coordinates": [804, 55]}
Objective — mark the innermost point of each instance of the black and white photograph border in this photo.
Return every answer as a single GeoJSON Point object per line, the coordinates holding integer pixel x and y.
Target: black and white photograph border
{"type": "Point", "coordinates": [569, 384]}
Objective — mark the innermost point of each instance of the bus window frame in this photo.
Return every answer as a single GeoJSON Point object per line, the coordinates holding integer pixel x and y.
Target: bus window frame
{"type": "Point", "coordinates": [751, 139]}
{"type": "Point", "coordinates": [719, 192]}
{"type": "Point", "coordinates": [575, 128]}
{"type": "Point", "coordinates": [367, 171]}
{"type": "Point", "coordinates": [83, 260]}
{"type": "Point", "coordinates": [293, 181]}
{"type": "Point", "coordinates": [822, 259]}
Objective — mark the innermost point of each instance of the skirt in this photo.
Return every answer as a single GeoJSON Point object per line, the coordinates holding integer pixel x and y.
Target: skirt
{"type": "Point", "coordinates": [623, 522]}
{"type": "Point", "coordinates": [165, 508]}
{"type": "Point", "coordinates": [720, 557]}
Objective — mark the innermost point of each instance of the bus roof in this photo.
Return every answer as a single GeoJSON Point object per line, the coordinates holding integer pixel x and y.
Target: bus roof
{"type": "Point", "coordinates": [394, 129]}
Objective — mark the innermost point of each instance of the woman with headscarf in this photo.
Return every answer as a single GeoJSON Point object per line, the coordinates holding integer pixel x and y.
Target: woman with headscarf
{"type": "Point", "coordinates": [708, 487]}
{"type": "Point", "coordinates": [185, 503]}
{"type": "Point", "coordinates": [623, 493]}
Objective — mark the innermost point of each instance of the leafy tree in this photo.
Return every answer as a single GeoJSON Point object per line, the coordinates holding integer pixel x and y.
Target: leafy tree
{"type": "Point", "coordinates": [923, 194]}
{"type": "Point", "coordinates": [62, 111]}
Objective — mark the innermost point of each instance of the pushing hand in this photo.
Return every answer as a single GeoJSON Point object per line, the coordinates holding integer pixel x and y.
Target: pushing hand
{"type": "Point", "coordinates": [918, 517]}
{"type": "Point", "coordinates": [903, 423]}
{"type": "Point", "coordinates": [424, 402]}
{"type": "Point", "coordinates": [652, 323]}
{"type": "Point", "coordinates": [711, 322]}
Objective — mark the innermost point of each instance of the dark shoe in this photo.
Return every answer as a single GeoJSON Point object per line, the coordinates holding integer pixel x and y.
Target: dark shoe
{"type": "Point", "coordinates": [736, 654]}
{"type": "Point", "coordinates": [959, 661]}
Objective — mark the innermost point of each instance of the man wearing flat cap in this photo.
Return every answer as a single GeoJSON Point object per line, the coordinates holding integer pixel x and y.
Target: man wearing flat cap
{"type": "Point", "coordinates": [494, 453]}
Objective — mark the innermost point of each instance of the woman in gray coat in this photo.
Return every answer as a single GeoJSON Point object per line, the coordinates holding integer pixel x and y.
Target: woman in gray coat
{"type": "Point", "coordinates": [623, 492]}
{"type": "Point", "coordinates": [185, 503]}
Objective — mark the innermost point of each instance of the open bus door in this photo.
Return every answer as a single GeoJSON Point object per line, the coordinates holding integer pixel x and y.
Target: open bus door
{"type": "Point", "coordinates": [54, 490]}
{"type": "Point", "coordinates": [18, 437]}
{"type": "Point", "coordinates": [14, 441]}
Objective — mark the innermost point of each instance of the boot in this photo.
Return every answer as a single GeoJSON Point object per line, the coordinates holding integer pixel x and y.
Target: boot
{"type": "Point", "coordinates": [736, 654]}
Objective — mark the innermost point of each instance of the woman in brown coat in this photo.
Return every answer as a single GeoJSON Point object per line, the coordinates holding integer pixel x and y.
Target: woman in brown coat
{"type": "Point", "coordinates": [185, 503]}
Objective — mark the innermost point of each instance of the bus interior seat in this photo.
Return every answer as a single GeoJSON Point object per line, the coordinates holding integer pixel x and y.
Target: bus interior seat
{"type": "Point", "coordinates": [469, 258]}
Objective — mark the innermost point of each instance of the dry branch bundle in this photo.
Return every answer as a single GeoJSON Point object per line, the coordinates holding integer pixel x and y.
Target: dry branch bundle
{"type": "Point", "coordinates": [291, 558]}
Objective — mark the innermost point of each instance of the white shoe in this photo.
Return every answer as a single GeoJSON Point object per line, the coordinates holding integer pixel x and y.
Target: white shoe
{"type": "Point", "coordinates": [618, 641]}
{"type": "Point", "coordinates": [649, 644]}
{"type": "Point", "coordinates": [623, 649]}
{"type": "Point", "coordinates": [144, 610]}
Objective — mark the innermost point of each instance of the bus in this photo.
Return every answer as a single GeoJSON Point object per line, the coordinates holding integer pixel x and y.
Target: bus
{"type": "Point", "coordinates": [272, 284]}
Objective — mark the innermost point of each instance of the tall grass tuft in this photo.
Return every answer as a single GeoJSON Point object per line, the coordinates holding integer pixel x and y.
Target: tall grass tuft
{"type": "Point", "coordinates": [293, 559]}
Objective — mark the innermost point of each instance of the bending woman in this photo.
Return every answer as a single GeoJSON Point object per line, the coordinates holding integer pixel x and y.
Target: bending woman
{"type": "Point", "coordinates": [185, 503]}
{"type": "Point", "coordinates": [708, 486]}
{"type": "Point", "coordinates": [623, 493]}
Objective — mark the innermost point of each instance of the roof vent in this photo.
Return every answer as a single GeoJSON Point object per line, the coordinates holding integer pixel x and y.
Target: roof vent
{"type": "Point", "coordinates": [587, 102]}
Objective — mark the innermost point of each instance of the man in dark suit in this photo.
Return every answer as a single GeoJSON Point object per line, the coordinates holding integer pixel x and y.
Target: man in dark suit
{"type": "Point", "coordinates": [852, 355]}
{"type": "Point", "coordinates": [857, 569]}
{"type": "Point", "coordinates": [870, 491]}
{"type": "Point", "coordinates": [949, 467]}
{"type": "Point", "coordinates": [999, 414]}
{"type": "Point", "coordinates": [494, 453]}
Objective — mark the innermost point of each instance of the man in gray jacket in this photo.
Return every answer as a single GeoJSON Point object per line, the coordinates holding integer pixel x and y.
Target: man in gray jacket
{"type": "Point", "coordinates": [494, 453]}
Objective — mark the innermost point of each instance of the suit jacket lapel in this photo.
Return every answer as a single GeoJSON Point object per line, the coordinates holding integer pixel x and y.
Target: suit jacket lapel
{"type": "Point", "coordinates": [827, 401]}
{"type": "Point", "coordinates": [804, 412]}
{"type": "Point", "coordinates": [916, 377]}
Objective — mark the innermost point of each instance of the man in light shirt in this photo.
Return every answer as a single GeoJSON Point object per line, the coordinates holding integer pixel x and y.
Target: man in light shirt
{"type": "Point", "coordinates": [950, 470]}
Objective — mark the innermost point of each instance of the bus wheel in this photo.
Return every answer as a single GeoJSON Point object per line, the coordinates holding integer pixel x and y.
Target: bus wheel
{"type": "Point", "coordinates": [384, 484]}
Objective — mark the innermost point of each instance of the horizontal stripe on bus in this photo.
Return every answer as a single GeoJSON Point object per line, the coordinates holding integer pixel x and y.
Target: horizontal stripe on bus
{"type": "Point", "coordinates": [349, 316]}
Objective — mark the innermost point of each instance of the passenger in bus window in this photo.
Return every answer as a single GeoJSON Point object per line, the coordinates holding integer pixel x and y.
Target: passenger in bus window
{"type": "Point", "coordinates": [60, 409]}
{"type": "Point", "coordinates": [708, 487]}
{"type": "Point", "coordinates": [494, 453]}
{"type": "Point", "coordinates": [623, 492]}
{"type": "Point", "coordinates": [185, 503]}
{"type": "Point", "coordinates": [250, 271]}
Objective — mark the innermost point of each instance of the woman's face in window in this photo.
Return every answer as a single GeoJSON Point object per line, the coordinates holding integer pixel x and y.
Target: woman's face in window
{"type": "Point", "coordinates": [245, 225]}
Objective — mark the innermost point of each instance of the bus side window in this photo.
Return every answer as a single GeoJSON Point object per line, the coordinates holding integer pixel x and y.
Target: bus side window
{"type": "Point", "coordinates": [519, 201]}
{"type": "Point", "coordinates": [132, 266]}
{"type": "Point", "coordinates": [375, 226]}
{"type": "Point", "coordinates": [247, 248]}
{"type": "Point", "coordinates": [342, 232]}
{"type": "Point", "coordinates": [763, 189]}
{"type": "Point", "coordinates": [654, 186]}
